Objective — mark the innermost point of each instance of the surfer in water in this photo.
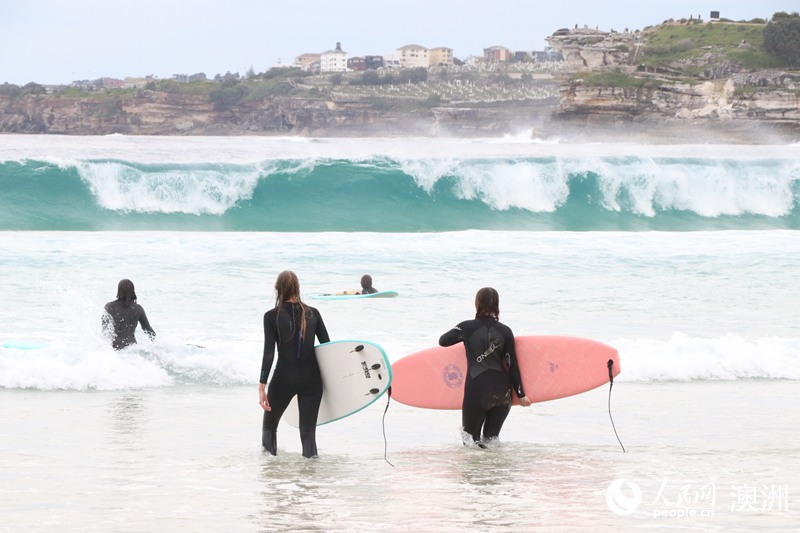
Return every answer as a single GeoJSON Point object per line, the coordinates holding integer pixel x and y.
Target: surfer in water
{"type": "Point", "coordinates": [122, 315]}
{"type": "Point", "coordinates": [366, 287]}
{"type": "Point", "coordinates": [291, 326]}
{"type": "Point", "coordinates": [492, 370]}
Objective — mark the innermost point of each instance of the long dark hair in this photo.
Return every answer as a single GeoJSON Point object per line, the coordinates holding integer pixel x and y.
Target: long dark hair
{"type": "Point", "coordinates": [125, 292]}
{"type": "Point", "coordinates": [287, 287]}
{"type": "Point", "coordinates": [487, 303]}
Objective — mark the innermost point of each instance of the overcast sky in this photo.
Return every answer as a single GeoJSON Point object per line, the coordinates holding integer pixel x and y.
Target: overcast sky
{"type": "Point", "coordinates": [58, 41]}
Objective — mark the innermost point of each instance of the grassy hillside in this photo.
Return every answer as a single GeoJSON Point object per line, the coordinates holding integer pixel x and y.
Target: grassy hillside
{"type": "Point", "coordinates": [685, 44]}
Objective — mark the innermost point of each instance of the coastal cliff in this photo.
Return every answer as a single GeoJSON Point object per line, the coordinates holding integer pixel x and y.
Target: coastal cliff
{"type": "Point", "coordinates": [616, 81]}
{"type": "Point", "coordinates": [710, 99]}
{"type": "Point", "coordinates": [159, 113]}
{"type": "Point", "coordinates": [661, 84]}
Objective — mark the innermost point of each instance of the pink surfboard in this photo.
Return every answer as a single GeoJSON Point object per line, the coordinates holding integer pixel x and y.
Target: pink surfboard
{"type": "Point", "coordinates": [552, 367]}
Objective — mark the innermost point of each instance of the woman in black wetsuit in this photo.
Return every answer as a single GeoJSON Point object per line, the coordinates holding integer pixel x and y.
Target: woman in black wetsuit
{"type": "Point", "coordinates": [122, 316]}
{"type": "Point", "coordinates": [291, 326]}
{"type": "Point", "coordinates": [492, 369]}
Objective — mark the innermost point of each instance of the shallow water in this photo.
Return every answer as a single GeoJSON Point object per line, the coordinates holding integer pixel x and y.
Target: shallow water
{"type": "Point", "coordinates": [188, 458]}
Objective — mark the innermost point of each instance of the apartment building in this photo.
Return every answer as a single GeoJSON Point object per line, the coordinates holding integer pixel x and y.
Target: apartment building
{"type": "Point", "coordinates": [333, 60]}
{"type": "Point", "coordinates": [440, 57]}
{"type": "Point", "coordinates": [412, 56]}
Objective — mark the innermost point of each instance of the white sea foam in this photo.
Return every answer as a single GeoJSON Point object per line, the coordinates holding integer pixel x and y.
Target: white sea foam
{"type": "Point", "coordinates": [686, 358]}
{"type": "Point", "coordinates": [168, 362]}
{"type": "Point", "coordinates": [640, 185]}
{"type": "Point", "coordinates": [537, 187]}
{"type": "Point", "coordinates": [122, 187]}
{"type": "Point", "coordinates": [90, 366]}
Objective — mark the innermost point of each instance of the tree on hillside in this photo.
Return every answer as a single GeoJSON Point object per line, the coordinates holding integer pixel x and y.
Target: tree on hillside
{"type": "Point", "coordinates": [14, 90]}
{"type": "Point", "coordinates": [34, 88]}
{"type": "Point", "coordinates": [8, 89]}
{"type": "Point", "coordinates": [370, 77]}
{"type": "Point", "coordinates": [413, 75]}
{"type": "Point", "coordinates": [226, 98]}
{"type": "Point", "coordinates": [782, 37]}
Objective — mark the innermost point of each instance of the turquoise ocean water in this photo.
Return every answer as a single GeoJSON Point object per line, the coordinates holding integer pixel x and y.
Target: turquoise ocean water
{"type": "Point", "coordinates": [683, 257]}
{"type": "Point", "coordinates": [446, 190]}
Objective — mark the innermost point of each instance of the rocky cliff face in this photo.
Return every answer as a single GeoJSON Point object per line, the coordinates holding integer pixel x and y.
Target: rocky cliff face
{"type": "Point", "coordinates": [706, 112]}
{"type": "Point", "coordinates": [587, 49]}
{"type": "Point", "coordinates": [712, 100]}
{"type": "Point", "coordinates": [157, 113]}
{"type": "Point", "coordinates": [147, 113]}
{"type": "Point", "coordinates": [724, 97]}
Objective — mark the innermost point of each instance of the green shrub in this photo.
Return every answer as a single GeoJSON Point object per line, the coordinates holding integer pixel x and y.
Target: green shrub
{"type": "Point", "coordinates": [616, 79]}
{"type": "Point", "coordinates": [782, 37]}
{"type": "Point", "coordinates": [225, 98]}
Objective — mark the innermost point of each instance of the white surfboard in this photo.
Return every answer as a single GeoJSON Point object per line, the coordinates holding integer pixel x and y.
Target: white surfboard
{"type": "Point", "coordinates": [354, 374]}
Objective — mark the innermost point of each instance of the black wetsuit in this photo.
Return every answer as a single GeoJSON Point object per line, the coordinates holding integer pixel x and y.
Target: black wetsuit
{"type": "Point", "coordinates": [492, 372]}
{"type": "Point", "coordinates": [296, 373]}
{"type": "Point", "coordinates": [121, 320]}
{"type": "Point", "coordinates": [368, 290]}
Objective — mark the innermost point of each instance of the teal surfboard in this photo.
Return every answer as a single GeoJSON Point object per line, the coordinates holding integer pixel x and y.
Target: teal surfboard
{"type": "Point", "coordinates": [354, 375]}
{"type": "Point", "coordinates": [379, 294]}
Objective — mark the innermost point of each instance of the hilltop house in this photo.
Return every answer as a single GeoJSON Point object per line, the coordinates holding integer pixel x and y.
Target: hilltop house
{"type": "Point", "coordinates": [333, 60]}
{"type": "Point", "coordinates": [136, 83]}
{"type": "Point", "coordinates": [440, 57]}
{"type": "Point", "coordinates": [111, 83]}
{"type": "Point", "coordinates": [496, 54]}
{"type": "Point", "coordinates": [308, 62]}
{"type": "Point", "coordinates": [412, 56]}
{"type": "Point", "coordinates": [365, 63]}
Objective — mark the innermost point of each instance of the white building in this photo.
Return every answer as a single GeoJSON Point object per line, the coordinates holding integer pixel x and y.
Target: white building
{"type": "Point", "coordinates": [333, 60]}
{"type": "Point", "coordinates": [412, 56]}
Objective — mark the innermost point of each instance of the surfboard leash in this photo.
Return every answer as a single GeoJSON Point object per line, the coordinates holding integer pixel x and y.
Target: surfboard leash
{"type": "Point", "coordinates": [383, 423]}
{"type": "Point", "coordinates": [610, 386]}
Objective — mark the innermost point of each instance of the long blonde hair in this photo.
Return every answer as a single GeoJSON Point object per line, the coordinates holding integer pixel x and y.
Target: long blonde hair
{"type": "Point", "coordinates": [287, 287]}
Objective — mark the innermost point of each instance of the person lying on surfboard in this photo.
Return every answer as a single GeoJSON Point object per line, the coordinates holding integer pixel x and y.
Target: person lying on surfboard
{"type": "Point", "coordinates": [492, 369]}
{"type": "Point", "coordinates": [366, 287]}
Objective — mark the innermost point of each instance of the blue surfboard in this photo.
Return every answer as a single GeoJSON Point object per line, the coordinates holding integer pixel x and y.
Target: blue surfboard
{"type": "Point", "coordinates": [379, 294]}
{"type": "Point", "coordinates": [24, 345]}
